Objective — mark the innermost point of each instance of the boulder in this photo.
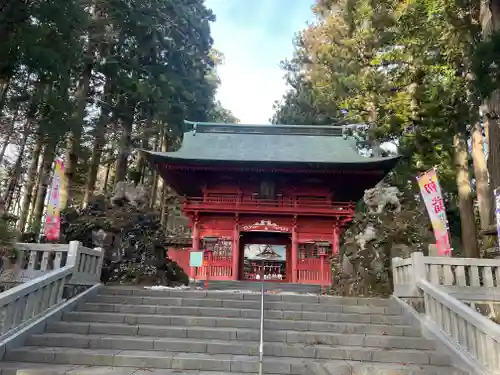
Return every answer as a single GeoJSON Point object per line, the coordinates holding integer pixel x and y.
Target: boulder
{"type": "Point", "coordinates": [390, 224]}
{"type": "Point", "coordinates": [133, 239]}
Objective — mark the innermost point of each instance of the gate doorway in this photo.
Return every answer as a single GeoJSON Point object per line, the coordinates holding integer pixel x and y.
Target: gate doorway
{"type": "Point", "coordinates": [274, 248]}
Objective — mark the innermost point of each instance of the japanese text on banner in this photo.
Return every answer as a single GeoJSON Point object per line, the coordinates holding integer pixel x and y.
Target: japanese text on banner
{"type": "Point", "coordinates": [433, 199]}
{"type": "Point", "coordinates": [52, 219]}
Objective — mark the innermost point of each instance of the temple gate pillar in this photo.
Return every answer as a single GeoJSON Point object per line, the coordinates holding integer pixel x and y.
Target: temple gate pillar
{"type": "Point", "coordinates": [336, 239]}
{"type": "Point", "coordinates": [295, 253]}
{"type": "Point", "coordinates": [236, 249]}
{"type": "Point", "coordinates": [195, 245]}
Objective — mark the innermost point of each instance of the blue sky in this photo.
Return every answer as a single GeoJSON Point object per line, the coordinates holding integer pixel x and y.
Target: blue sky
{"type": "Point", "coordinates": [254, 36]}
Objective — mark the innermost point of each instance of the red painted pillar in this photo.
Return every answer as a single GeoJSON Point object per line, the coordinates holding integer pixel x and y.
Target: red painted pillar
{"type": "Point", "coordinates": [295, 254]}
{"type": "Point", "coordinates": [322, 256]}
{"type": "Point", "coordinates": [195, 245]}
{"type": "Point", "coordinates": [236, 250]}
{"type": "Point", "coordinates": [336, 239]}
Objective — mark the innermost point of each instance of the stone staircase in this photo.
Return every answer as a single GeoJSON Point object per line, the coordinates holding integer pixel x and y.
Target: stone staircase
{"type": "Point", "coordinates": [125, 331]}
{"type": "Point", "coordinates": [255, 286]}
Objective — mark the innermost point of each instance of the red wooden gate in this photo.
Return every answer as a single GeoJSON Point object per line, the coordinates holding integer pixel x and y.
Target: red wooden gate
{"type": "Point", "coordinates": [313, 268]}
{"type": "Point", "coordinates": [218, 264]}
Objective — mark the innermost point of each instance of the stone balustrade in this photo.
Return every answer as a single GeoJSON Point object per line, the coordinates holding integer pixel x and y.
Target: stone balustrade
{"type": "Point", "coordinates": [27, 301]}
{"type": "Point", "coordinates": [31, 260]}
{"type": "Point", "coordinates": [444, 284]}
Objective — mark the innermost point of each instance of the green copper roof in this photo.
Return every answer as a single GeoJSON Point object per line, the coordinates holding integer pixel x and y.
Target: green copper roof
{"type": "Point", "coordinates": [290, 144]}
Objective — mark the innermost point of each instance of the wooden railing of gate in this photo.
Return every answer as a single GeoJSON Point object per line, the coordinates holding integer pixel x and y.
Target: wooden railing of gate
{"type": "Point", "coordinates": [311, 271]}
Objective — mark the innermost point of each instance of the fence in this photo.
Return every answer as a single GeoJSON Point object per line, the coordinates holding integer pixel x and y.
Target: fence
{"type": "Point", "coordinates": [24, 303]}
{"type": "Point", "coordinates": [443, 283]}
{"type": "Point", "coordinates": [31, 260]}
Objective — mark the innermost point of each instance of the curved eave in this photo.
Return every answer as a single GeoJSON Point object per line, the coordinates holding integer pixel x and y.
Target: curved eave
{"type": "Point", "coordinates": [369, 164]}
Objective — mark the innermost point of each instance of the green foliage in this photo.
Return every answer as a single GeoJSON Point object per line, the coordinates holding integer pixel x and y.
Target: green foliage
{"type": "Point", "coordinates": [405, 70]}
{"type": "Point", "coordinates": [485, 63]}
{"type": "Point", "coordinates": [116, 75]}
{"type": "Point", "coordinates": [7, 235]}
{"type": "Point", "coordinates": [381, 66]}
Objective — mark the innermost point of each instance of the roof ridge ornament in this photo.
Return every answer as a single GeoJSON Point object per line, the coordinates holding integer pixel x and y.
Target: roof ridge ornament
{"type": "Point", "coordinates": [264, 129]}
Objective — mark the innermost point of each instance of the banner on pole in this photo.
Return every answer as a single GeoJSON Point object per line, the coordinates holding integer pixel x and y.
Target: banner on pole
{"type": "Point", "coordinates": [433, 199]}
{"type": "Point", "coordinates": [52, 226]}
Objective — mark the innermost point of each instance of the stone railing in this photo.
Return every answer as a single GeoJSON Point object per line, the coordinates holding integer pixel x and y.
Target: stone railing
{"type": "Point", "coordinates": [24, 303]}
{"type": "Point", "coordinates": [444, 283]}
{"type": "Point", "coordinates": [32, 260]}
{"type": "Point", "coordinates": [465, 278]}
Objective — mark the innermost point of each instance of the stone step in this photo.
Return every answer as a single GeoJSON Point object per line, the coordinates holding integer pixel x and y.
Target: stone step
{"type": "Point", "coordinates": [218, 362]}
{"type": "Point", "coordinates": [234, 312]}
{"type": "Point", "coordinates": [230, 333]}
{"type": "Point", "coordinates": [210, 321]}
{"type": "Point", "coordinates": [173, 344]}
{"type": "Point", "coordinates": [26, 368]}
{"type": "Point", "coordinates": [330, 368]}
{"type": "Point", "coordinates": [362, 368]}
{"type": "Point", "coordinates": [159, 360]}
{"type": "Point", "coordinates": [246, 295]}
{"type": "Point", "coordinates": [238, 304]}
{"type": "Point", "coordinates": [252, 285]}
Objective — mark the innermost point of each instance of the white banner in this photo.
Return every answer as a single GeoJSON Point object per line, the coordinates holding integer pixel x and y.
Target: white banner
{"type": "Point", "coordinates": [433, 199]}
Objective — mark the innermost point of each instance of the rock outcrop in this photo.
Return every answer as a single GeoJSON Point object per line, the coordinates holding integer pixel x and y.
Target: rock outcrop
{"type": "Point", "coordinates": [389, 224]}
{"type": "Point", "coordinates": [134, 241]}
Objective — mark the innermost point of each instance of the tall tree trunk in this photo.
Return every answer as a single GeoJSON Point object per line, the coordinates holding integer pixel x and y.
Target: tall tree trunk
{"type": "Point", "coordinates": [164, 206]}
{"type": "Point", "coordinates": [99, 142]}
{"type": "Point", "coordinates": [6, 143]}
{"type": "Point", "coordinates": [13, 14]}
{"type": "Point", "coordinates": [35, 191]}
{"type": "Point", "coordinates": [4, 88]}
{"type": "Point", "coordinates": [74, 138]}
{"type": "Point", "coordinates": [481, 174]}
{"type": "Point", "coordinates": [154, 189]}
{"type": "Point", "coordinates": [465, 199]}
{"type": "Point", "coordinates": [486, 132]}
{"type": "Point", "coordinates": [95, 159]}
{"type": "Point", "coordinates": [490, 23]}
{"type": "Point", "coordinates": [106, 178]}
{"type": "Point", "coordinates": [374, 143]}
{"type": "Point", "coordinates": [16, 170]}
{"type": "Point", "coordinates": [30, 184]}
{"type": "Point", "coordinates": [164, 187]}
{"type": "Point", "coordinates": [145, 136]}
{"type": "Point", "coordinates": [153, 183]}
{"type": "Point", "coordinates": [17, 198]}
{"type": "Point", "coordinates": [10, 132]}
{"type": "Point", "coordinates": [125, 144]}
{"type": "Point", "coordinates": [47, 159]}
{"type": "Point", "coordinates": [123, 154]}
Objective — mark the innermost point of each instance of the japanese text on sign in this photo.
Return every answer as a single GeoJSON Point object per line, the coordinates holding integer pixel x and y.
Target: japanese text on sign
{"type": "Point", "coordinates": [433, 199]}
